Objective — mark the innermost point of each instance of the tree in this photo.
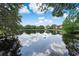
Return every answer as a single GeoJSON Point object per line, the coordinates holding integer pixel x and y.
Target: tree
{"type": "Point", "coordinates": [59, 8]}
{"type": "Point", "coordinates": [67, 25]}
{"type": "Point", "coordinates": [70, 24]}
{"type": "Point", "coordinates": [9, 18]}
{"type": "Point", "coordinates": [40, 27]}
{"type": "Point", "coordinates": [52, 26]}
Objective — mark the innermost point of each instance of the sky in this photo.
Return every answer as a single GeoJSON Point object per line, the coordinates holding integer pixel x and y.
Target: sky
{"type": "Point", "coordinates": [31, 15]}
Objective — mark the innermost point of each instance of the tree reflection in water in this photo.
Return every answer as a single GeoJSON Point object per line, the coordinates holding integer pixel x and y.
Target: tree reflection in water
{"type": "Point", "coordinates": [41, 31]}
{"type": "Point", "coordinates": [9, 46]}
{"type": "Point", "coordinates": [72, 42]}
{"type": "Point", "coordinates": [34, 31]}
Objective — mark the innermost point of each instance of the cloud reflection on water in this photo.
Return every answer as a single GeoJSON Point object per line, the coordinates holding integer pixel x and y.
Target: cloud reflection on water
{"type": "Point", "coordinates": [57, 45]}
{"type": "Point", "coordinates": [26, 39]}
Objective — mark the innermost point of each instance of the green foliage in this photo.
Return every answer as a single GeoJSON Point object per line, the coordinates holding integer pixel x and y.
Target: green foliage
{"type": "Point", "coordinates": [34, 27]}
{"type": "Point", "coordinates": [60, 7]}
{"type": "Point", "coordinates": [30, 27]}
{"type": "Point", "coordinates": [71, 24]}
{"type": "Point", "coordinates": [40, 27]}
{"type": "Point", "coordinates": [9, 18]}
{"type": "Point", "coordinates": [67, 25]}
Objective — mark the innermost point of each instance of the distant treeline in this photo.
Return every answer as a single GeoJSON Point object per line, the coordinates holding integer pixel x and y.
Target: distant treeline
{"type": "Point", "coordinates": [41, 27]}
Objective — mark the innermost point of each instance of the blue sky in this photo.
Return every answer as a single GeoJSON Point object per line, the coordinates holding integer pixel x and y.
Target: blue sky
{"type": "Point", "coordinates": [31, 15]}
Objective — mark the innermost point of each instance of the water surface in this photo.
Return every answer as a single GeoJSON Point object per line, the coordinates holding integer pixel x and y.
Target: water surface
{"type": "Point", "coordinates": [40, 44]}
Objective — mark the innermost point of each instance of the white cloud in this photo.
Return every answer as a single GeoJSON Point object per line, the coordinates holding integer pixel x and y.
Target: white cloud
{"type": "Point", "coordinates": [59, 48]}
{"type": "Point", "coordinates": [38, 54]}
{"type": "Point", "coordinates": [41, 18]}
{"type": "Point", "coordinates": [36, 7]}
{"type": "Point", "coordinates": [65, 15]}
{"type": "Point", "coordinates": [48, 52]}
{"type": "Point", "coordinates": [77, 8]}
{"type": "Point", "coordinates": [43, 21]}
{"type": "Point", "coordinates": [45, 53]}
{"type": "Point", "coordinates": [27, 40]}
{"type": "Point", "coordinates": [24, 9]}
{"type": "Point", "coordinates": [51, 9]}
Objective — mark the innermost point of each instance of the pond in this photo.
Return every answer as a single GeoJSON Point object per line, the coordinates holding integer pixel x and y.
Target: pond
{"type": "Point", "coordinates": [42, 44]}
